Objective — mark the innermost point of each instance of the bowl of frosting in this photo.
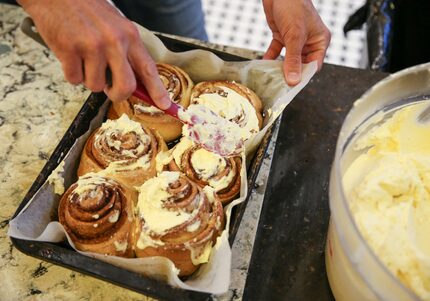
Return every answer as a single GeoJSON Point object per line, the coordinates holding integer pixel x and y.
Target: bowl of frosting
{"type": "Point", "coordinates": [378, 242]}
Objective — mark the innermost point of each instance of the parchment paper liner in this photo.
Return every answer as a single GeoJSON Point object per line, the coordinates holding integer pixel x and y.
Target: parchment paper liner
{"type": "Point", "coordinates": [266, 78]}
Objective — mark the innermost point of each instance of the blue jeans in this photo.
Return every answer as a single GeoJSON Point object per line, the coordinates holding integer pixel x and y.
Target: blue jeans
{"type": "Point", "coordinates": [179, 17]}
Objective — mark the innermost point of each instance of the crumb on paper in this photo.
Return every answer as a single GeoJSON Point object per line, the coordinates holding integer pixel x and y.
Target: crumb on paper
{"type": "Point", "coordinates": [56, 179]}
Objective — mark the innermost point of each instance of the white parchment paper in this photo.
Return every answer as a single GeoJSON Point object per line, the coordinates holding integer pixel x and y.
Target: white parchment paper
{"type": "Point", "coordinates": [266, 78]}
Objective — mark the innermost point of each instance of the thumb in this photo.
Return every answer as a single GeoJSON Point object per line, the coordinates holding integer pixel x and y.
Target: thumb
{"type": "Point", "coordinates": [293, 59]}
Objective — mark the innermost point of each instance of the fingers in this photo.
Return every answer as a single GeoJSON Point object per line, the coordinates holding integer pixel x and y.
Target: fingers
{"type": "Point", "coordinates": [123, 79]}
{"type": "Point", "coordinates": [295, 24]}
{"type": "Point", "coordinates": [72, 68]}
{"type": "Point", "coordinates": [319, 54]}
{"type": "Point", "coordinates": [127, 59]}
{"type": "Point", "coordinates": [274, 50]}
{"type": "Point", "coordinates": [294, 42]}
{"type": "Point", "coordinates": [316, 48]}
{"type": "Point", "coordinates": [146, 71]}
{"type": "Point", "coordinates": [95, 70]}
{"type": "Point", "coordinates": [315, 56]}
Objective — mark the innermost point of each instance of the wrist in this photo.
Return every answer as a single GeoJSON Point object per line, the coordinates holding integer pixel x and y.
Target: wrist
{"type": "Point", "coordinates": [24, 3]}
{"type": "Point", "coordinates": [28, 4]}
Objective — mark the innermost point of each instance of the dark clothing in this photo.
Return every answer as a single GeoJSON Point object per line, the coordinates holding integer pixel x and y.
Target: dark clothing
{"type": "Point", "coordinates": [411, 38]}
{"type": "Point", "coordinates": [179, 17]}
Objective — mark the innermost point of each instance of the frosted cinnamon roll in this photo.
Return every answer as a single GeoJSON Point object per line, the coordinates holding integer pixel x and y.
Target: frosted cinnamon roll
{"type": "Point", "coordinates": [124, 150]}
{"type": "Point", "coordinates": [207, 168]}
{"type": "Point", "coordinates": [178, 220]}
{"type": "Point", "coordinates": [178, 84]}
{"type": "Point", "coordinates": [97, 213]}
{"type": "Point", "coordinates": [232, 101]}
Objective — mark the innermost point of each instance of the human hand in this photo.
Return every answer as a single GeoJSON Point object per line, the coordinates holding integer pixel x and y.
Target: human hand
{"type": "Point", "coordinates": [88, 37]}
{"type": "Point", "coordinates": [296, 25]}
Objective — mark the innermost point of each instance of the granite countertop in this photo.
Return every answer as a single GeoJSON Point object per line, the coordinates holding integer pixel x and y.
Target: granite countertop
{"type": "Point", "coordinates": [36, 108]}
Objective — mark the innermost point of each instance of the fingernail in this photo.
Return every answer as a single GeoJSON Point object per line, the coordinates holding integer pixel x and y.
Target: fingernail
{"type": "Point", "coordinates": [166, 102]}
{"type": "Point", "coordinates": [293, 77]}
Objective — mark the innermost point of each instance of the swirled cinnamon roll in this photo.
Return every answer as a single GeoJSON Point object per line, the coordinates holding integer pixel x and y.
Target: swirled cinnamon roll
{"type": "Point", "coordinates": [97, 213]}
{"type": "Point", "coordinates": [124, 149]}
{"type": "Point", "coordinates": [223, 174]}
{"type": "Point", "coordinates": [232, 101]}
{"type": "Point", "coordinates": [178, 220]}
{"type": "Point", "coordinates": [178, 84]}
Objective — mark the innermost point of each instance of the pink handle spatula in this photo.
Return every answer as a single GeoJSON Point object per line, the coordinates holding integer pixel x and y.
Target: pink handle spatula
{"type": "Point", "coordinates": [203, 126]}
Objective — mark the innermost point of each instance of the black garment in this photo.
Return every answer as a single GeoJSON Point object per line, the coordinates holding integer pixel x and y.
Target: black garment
{"type": "Point", "coordinates": [398, 32]}
{"type": "Point", "coordinates": [9, 2]}
{"type": "Point", "coordinates": [411, 39]}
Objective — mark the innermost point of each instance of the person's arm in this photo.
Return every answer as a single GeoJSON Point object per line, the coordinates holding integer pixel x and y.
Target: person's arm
{"type": "Point", "coordinates": [296, 25]}
{"type": "Point", "coordinates": [89, 36]}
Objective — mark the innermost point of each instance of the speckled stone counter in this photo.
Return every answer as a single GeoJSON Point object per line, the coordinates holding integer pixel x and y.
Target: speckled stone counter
{"type": "Point", "coordinates": [36, 108]}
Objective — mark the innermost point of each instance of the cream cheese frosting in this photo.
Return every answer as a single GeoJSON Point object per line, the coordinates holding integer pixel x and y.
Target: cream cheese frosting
{"type": "Point", "coordinates": [145, 240]}
{"type": "Point", "coordinates": [388, 187]}
{"type": "Point", "coordinates": [158, 220]}
{"type": "Point", "coordinates": [200, 255]}
{"type": "Point", "coordinates": [223, 182]}
{"type": "Point", "coordinates": [87, 184]}
{"type": "Point", "coordinates": [206, 128]}
{"type": "Point", "coordinates": [179, 150]}
{"type": "Point", "coordinates": [121, 165]}
{"type": "Point", "coordinates": [208, 165]}
{"type": "Point", "coordinates": [231, 105]}
{"type": "Point", "coordinates": [111, 131]}
{"type": "Point", "coordinates": [147, 109]}
{"type": "Point", "coordinates": [205, 163]}
{"type": "Point", "coordinates": [153, 194]}
{"type": "Point", "coordinates": [210, 194]}
{"type": "Point", "coordinates": [194, 226]}
{"type": "Point", "coordinates": [122, 125]}
{"type": "Point", "coordinates": [120, 246]}
{"type": "Point", "coordinates": [163, 158]}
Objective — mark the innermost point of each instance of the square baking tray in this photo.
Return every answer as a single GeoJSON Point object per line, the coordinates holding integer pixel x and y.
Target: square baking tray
{"type": "Point", "coordinates": [62, 254]}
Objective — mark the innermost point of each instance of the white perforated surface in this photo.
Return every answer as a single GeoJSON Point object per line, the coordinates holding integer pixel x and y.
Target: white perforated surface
{"type": "Point", "coordinates": [242, 23]}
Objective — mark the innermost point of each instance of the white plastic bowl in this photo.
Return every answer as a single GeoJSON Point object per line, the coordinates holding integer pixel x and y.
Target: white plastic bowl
{"type": "Point", "coordinates": [354, 271]}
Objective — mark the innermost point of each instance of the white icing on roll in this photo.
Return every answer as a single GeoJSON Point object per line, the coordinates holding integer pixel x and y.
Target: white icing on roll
{"type": "Point", "coordinates": [147, 109]}
{"type": "Point", "coordinates": [122, 125]}
{"type": "Point", "coordinates": [153, 194]}
{"type": "Point", "coordinates": [230, 105]}
{"type": "Point", "coordinates": [111, 131]}
{"type": "Point", "coordinates": [88, 183]}
{"type": "Point", "coordinates": [207, 164]}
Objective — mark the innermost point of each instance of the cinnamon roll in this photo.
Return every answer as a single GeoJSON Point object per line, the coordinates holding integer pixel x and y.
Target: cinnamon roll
{"type": "Point", "coordinates": [232, 101]}
{"type": "Point", "coordinates": [124, 150]}
{"type": "Point", "coordinates": [178, 220]}
{"type": "Point", "coordinates": [178, 84]}
{"type": "Point", "coordinates": [208, 168]}
{"type": "Point", "coordinates": [97, 213]}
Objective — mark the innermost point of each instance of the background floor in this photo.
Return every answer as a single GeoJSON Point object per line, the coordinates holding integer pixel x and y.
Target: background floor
{"type": "Point", "coordinates": [242, 23]}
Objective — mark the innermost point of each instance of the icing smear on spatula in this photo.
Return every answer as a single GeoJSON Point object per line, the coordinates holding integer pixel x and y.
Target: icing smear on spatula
{"type": "Point", "coordinates": [211, 131]}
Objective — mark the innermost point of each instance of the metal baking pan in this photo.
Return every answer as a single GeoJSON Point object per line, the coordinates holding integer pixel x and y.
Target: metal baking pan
{"type": "Point", "coordinates": [62, 254]}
